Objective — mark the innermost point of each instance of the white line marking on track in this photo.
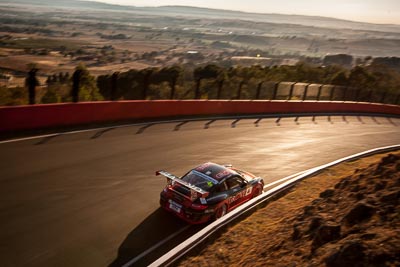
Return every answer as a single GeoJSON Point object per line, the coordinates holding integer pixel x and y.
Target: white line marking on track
{"type": "Point", "coordinates": [285, 178]}
{"type": "Point", "coordinates": [144, 253]}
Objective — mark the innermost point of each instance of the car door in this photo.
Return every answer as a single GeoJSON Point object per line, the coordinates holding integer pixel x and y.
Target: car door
{"type": "Point", "coordinates": [238, 191]}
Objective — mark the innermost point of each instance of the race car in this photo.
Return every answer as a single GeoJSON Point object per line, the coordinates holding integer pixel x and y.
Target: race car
{"type": "Point", "coordinates": [208, 192]}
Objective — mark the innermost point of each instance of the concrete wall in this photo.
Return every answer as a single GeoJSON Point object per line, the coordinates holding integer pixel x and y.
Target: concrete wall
{"type": "Point", "coordinates": [53, 115]}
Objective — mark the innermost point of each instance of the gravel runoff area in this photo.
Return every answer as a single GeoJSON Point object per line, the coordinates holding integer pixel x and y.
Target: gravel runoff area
{"type": "Point", "coordinates": [348, 215]}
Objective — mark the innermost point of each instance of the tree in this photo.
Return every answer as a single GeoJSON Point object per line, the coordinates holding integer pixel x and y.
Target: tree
{"type": "Point", "coordinates": [340, 79]}
{"type": "Point", "coordinates": [51, 96]}
{"type": "Point", "coordinates": [84, 85]}
{"type": "Point", "coordinates": [145, 81]}
{"type": "Point", "coordinates": [360, 78]}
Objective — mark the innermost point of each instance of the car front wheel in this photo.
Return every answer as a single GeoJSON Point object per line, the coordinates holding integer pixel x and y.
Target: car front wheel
{"type": "Point", "coordinates": [258, 191]}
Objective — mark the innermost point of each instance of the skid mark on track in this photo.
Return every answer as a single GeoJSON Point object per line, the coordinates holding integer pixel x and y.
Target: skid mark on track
{"type": "Point", "coordinates": [278, 121]}
{"type": "Point", "coordinates": [142, 129]}
{"type": "Point", "coordinates": [257, 122]}
{"type": "Point", "coordinates": [100, 133]}
{"type": "Point", "coordinates": [233, 124]}
{"type": "Point", "coordinates": [178, 126]}
{"type": "Point", "coordinates": [207, 125]}
{"type": "Point", "coordinates": [47, 139]}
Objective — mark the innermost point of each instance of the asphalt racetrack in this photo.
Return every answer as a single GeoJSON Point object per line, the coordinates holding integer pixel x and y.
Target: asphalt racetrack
{"type": "Point", "coordinates": [91, 198]}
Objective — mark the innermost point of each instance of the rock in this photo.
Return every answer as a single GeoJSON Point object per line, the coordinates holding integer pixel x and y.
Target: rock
{"type": "Point", "coordinates": [315, 223]}
{"type": "Point", "coordinates": [391, 197]}
{"type": "Point", "coordinates": [380, 185]}
{"type": "Point", "coordinates": [381, 258]}
{"type": "Point", "coordinates": [296, 233]}
{"type": "Point", "coordinates": [351, 253]}
{"type": "Point", "coordinates": [316, 201]}
{"type": "Point", "coordinates": [308, 210]}
{"type": "Point", "coordinates": [359, 196]}
{"type": "Point", "coordinates": [389, 159]}
{"type": "Point", "coordinates": [362, 211]}
{"type": "Point", "coordinates": [368, 236]}
{"type": "Point", "coordinates": [355, 188]}
{"type": "Point", "coordinates": [325, 233]}
{"type": "Point", "coordinates": [343, 183]}
{"type": "Point", "coordinates": [327, 193]}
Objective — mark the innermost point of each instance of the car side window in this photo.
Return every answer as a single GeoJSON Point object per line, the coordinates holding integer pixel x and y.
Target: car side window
{"type": "Point", "coordinates": [234, 182]}
{"type": "Point", "coordinates": [221, 187]}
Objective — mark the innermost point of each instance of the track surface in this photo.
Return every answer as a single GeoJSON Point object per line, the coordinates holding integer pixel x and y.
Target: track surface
{"type": "Point", "coordinates": [91, 198]}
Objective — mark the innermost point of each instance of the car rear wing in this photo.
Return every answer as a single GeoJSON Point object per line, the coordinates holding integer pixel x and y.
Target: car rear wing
{"type": "Point", "coordinates": [195, 192]}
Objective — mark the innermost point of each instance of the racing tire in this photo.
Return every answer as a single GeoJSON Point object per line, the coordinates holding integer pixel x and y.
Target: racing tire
{"type": "Point", "coordinates": [220, 212]}
{"type": "Point", "coordinates": [258, 191]}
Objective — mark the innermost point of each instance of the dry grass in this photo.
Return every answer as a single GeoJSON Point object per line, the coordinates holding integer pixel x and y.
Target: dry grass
{"type": "Point", "coordinates": [264, 238]}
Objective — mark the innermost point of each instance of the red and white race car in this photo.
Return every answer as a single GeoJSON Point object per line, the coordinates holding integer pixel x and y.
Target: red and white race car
{"type": "Point", "coordinates": [208, 192]}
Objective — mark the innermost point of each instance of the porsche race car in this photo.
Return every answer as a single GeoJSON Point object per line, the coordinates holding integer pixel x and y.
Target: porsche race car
{"type": "Point", "coordinates": [208, 192]}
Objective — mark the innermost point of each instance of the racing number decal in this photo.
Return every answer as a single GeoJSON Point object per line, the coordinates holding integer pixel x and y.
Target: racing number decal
{"type": "Point", "coordinates": [248, 191]}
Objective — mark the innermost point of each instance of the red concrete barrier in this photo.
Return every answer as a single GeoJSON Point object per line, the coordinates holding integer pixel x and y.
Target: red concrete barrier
{"type": "Point", "coordinates": [68, 114]}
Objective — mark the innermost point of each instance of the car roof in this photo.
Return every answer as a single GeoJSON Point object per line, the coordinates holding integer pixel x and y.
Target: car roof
{"type": "Point", "coordinates": [215, 171]}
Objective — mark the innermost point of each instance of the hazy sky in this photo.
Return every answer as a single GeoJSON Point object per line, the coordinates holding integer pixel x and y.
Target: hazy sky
{"type": "Point", "coordinates": [375, 11]}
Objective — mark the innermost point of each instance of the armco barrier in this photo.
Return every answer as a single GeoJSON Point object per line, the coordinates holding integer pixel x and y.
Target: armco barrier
{"type": "Point", "coordinates": [68, 114]}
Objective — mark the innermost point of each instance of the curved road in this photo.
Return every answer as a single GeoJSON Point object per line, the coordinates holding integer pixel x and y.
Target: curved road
{"type": "Point", "coordinates": [91, 198]}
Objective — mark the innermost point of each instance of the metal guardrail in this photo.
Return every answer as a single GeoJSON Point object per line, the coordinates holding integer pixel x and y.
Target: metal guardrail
{"type": "Point", "coordinates": [180, 250]}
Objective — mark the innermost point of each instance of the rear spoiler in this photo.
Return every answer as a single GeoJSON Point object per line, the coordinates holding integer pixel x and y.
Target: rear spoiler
{"type": "Point", "coordinates": [195, 192]}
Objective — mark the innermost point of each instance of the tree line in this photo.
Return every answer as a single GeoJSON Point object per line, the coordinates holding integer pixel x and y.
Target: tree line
{"type": "Point", "coordinates": [204, 82]}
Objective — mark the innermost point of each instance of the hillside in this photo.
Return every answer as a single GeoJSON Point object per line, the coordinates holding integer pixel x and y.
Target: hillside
{"type": "Point", "coordinates": [326, 221]}
{"type": "Point", "coordinates": [187, 11]}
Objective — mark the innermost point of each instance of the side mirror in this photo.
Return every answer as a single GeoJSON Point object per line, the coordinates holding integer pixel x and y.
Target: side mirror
{"type": "Point", "coordinates": [243, 184]}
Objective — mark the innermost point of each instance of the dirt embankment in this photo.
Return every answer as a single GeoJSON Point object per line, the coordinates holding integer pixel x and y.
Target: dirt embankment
{"type": "Point", "coordinates": [341, 217]}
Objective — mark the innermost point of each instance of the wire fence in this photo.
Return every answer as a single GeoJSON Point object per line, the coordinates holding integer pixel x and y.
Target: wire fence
{"type": "Point", "coordinates": [303, 91]}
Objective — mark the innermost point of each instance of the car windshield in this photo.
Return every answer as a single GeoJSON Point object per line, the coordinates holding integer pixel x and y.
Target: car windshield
{"type": "Point", "coordinates": [200, 180]}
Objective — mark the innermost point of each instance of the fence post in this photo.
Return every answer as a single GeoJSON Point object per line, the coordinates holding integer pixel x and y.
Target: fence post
{"type": "Point", "coordinates": [357, 95]}
{"type": "Point", "coordinates": [291, 91]}
{"type": "Point", "coordinates": [305, 91]}
{"type": "Point", "coordinates": [197, 89]}
{"type": "Point", "coordinates": [114, 81]}
{"type": "Point", "coordinates": [276, 87]}
{"type": "Point", "coordinates": [332, 93]}
{"type": "Point", "coordinates": [319, 92]}
{"type": "Point", "coordinates": [259, 90]}
{"type": "Point", "coordinates": [173, 85]}
{"type": "Point", "coordinates": [220, 84]}
{"type": "Point", "coordinates": [369, 95]}
{"type": "Point", "coordinates": [344, 93]}
{"type": "Point", "coordinates": [76, 79]}
{"type": "Point", "coordinates": [383, 97]}
{"type": "Point", "coordinates": [397, 99]}
{"type": "Point", "coordinates": [239, 92]}
{"type": "Point", "coordinates": [31, 81]}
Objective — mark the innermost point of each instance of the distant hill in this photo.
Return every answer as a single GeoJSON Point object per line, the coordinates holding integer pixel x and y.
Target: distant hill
{"type": "Point", "coordinates": [66, 3]}
{"type": "Point", "coordinates": [187, 11]}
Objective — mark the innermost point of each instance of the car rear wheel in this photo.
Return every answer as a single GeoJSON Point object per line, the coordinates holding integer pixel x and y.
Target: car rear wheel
{"type": "Point", "coordinates": [221, 211]}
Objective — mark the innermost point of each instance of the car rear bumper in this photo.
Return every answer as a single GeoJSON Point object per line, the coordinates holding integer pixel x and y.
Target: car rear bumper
{"type": "Point", "coordinates": [188, 215]}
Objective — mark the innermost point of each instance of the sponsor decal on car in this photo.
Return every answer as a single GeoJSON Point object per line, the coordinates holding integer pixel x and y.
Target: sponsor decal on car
{"type": "Point", "coordinates": [222, 174]}
{"type": "Point", "coordinates": [175, 206]}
